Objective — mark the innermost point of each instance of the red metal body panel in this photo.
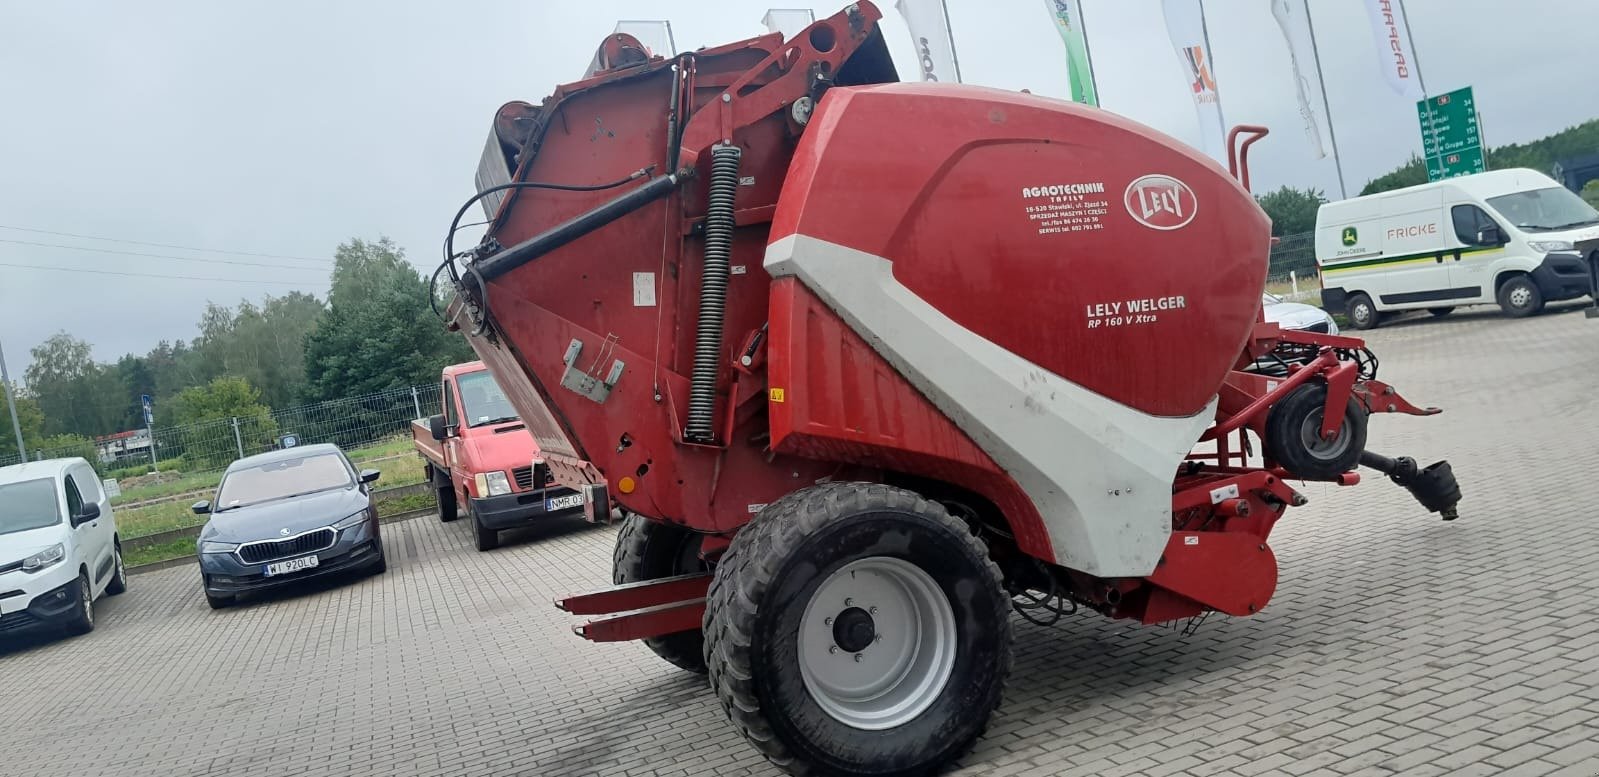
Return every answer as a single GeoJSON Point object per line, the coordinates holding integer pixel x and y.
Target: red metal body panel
{"type": "Point", "coordinates": [869, 414]}
{"type": "Point", "coordinates": [948, 185]}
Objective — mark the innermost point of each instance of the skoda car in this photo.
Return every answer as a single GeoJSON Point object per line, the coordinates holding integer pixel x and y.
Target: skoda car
{"type": "Point", "coordinates": [287, 516]}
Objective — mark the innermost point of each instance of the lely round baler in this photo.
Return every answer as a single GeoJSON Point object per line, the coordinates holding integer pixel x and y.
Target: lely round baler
{"type": "Point", "coordinates": [871, 366]}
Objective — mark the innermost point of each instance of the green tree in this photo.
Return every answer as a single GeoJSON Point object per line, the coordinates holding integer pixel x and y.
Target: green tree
{"type": "Point", "coordinates": [1590, 192]}
{"type": "Point", "coordinates": [29, 417]}
{"type": "Point", "coordinates": [76, 394]}
{"type": "Point", "coordinates": [205, 416]}
{"type": "Point", "coordinates": [377, 333]}
{"type": "Point", "coordinates": [1292, 211]}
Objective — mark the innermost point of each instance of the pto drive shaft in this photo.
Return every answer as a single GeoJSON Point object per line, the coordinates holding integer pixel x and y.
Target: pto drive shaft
{"type": "Point", "coordinates": [1434, 487]}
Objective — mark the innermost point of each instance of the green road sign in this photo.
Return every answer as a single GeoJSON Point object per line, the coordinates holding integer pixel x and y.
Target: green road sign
{"type": "Point", "coordinates": [1450, 140]}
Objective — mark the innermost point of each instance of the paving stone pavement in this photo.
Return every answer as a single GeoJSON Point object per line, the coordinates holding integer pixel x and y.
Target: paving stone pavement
{"type": "Point", "coordinates": [1397, 644]}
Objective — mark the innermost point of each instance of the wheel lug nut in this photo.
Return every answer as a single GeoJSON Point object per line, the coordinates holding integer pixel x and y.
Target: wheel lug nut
{"type": "Point", "coordinates": [833, 649]}
{"type": "Point", "coordinates": [857, 658]}
{"type": "Point", "coordinates": [872, 610]}
{"type": "Point", "coordinates": [827, 621]}
{"type": "Point", "coordinates": [878, 638]}
{"type": "Point", "coordinates": [849, 602]}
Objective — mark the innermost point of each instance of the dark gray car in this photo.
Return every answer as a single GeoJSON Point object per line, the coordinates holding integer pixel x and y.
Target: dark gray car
{"type": "Point", "coordinates": [285, 517]}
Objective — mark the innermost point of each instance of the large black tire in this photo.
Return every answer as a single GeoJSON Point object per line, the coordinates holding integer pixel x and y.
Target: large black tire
{"type": "Point", "coordinates": [1360, 311]}
{"type": "Point", "coordinates": [1293, 428]}
{"type": "Point", "coordinates": [648, 550]}
{"type": "Point", "coordinates": [763, 595]}
{"type": "Point", "coordinates": [1441, 312]}
{"type": "Point", "coordinates": [1519, 297]}
{"type": "Point", "coordinates": [487, 539]}
{"type": "Point", "coordinates": [119, 575]}
{"type": "Point", "coordinates": [82, 618]}
{"type": "Point", "coordinates": [448, 510]}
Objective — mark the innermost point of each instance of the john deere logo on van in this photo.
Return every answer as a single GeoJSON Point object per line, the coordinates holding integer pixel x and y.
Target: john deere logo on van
{"type": "Point", "coordinates": [1351, 237]}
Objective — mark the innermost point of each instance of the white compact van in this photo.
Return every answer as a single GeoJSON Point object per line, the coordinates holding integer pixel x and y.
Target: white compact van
{"type": "Point", "coordinates": [1509, 237]}
{"type": "Point", "coordinates": [59, 550]}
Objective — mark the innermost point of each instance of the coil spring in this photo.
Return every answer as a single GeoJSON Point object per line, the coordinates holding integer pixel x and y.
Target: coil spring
{"type": "Point", "coordinates": [713, 293]}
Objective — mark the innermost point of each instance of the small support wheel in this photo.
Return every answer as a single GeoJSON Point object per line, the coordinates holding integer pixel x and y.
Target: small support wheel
{"type": "Point", "coordinates": [1361, 312]}
{"type": "Point", "coordinates": [1293, 434]}
{"type": "Point", "coordinates": [1520, 297]}
{"type": "Point", "coordinates": [858, 629]}
{"type": "Point", "coordinates": [649, 550]}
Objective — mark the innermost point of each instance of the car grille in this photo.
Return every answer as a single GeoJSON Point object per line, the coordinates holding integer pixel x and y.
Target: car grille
{"type": "Point", "coordinates": [525, 479]}
{"type": "Point", "coordinates": [310, 542]}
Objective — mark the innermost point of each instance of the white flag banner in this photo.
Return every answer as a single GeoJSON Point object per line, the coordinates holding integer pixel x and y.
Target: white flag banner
{"type": "Point", "coordinates": [1394, 54]}
{"type": "Point", "coordinates": [935, 48]}
{"type": "Point", "coordinates": [1185, 24]}
{"type": "Point", "coordinates": [789, 21]}
{"type": "Point", "coordinates": [1292, 17]}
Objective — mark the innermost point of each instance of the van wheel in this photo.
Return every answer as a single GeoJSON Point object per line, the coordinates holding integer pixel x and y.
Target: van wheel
{"type": "Point", "coordinates": [82, 619]}
{"type": "Point", "coordinates": [487, 539]}
{"type": "Point", "coordinates": [1520, 297]}
{"type": "Point", "coordinates": [447, 507]}
{"type": "Point", "coordinates": [119, 576]}
{"type": "Point", "coordinates": [1440, 312]}
{"type": "Point", "coordinates": [1361, 313]}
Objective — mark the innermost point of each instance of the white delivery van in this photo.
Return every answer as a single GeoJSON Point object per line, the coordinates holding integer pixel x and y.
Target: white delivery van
{"type": "Point", "coordinates": [59, 549]}
{"type": "Point", "coordinates": [1509, 237]}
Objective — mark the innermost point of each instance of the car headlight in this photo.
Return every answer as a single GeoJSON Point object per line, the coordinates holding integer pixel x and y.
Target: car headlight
{"type": "Point", "coordinates": [493, 484]}
{"type": "Point", "coordinates": [1550, 246]}
{"type": "Point", "coordinates": [44, 558]}
{"type": "Point", "coordinates": [1332, 326]}
{"type": "Point", "coordinates": [351, 522]}
{"type": "Point", "coordinates": [209, 546]}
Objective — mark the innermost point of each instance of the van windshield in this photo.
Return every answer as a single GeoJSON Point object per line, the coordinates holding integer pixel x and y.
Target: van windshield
{"type": "Point", "coordinates": [485, 402]}
{"type": "Point", "coordinates": [30, 504]}
{"type": "Point", "coordinates": [1545, 210]}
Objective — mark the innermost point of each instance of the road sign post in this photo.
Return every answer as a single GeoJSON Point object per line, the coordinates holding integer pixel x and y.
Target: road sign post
{"type": "Point", "coordinates": [149, 428]}
{"type": "Point", "coordinates": [1451, 138]}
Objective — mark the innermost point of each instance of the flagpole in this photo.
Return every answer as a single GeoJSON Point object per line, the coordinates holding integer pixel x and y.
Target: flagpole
{"type": "Point", "coordinates": [1415, 58]}
{"type": "Point", "coordinates": [1088, 52]}
{"type": "Point", "coordinates": [949, 29]}
{"type": "Point", "coordinates": [1204, 31]}
{"type": "Point", "coordinates": [1338, 161]}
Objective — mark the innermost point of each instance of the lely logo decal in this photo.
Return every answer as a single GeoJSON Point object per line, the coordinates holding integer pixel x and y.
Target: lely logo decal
{"type": "Point", "coordinates": [1160, 202]}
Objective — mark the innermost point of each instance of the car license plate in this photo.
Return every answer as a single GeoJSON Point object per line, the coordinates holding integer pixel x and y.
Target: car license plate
{"type": "Point", "coordinates": [561, 502]}
{"type": "Point", "coordinates": [292, 565]}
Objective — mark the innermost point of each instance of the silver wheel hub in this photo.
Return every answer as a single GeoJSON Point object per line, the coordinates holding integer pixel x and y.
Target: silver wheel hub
{"type": "Point", "coordinates": [877, 643]}
{"type": "Point", "coordinates": [1322, 448]}
{"type": "Point", "coordinates": [1520, 296]}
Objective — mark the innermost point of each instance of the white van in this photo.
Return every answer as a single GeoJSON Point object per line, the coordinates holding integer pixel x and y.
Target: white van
{"type": "Point", "coordinates": [1509, 237]}
{"type": "Point", "coordinates": [59, 550]}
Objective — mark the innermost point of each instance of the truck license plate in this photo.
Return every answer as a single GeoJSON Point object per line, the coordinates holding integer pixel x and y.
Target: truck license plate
{"type": "Point", "coordinates": [292, 565]}
{"type": "Point", "coordinates": [560, 502]}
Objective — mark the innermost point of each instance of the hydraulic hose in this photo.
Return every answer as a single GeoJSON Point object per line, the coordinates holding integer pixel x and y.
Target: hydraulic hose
{"type": "Point", "coordinates": [713, 294]}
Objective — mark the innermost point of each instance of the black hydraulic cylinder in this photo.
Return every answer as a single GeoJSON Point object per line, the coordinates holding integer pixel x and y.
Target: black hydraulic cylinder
{"type": "Point", "coordinates": [574, 228]}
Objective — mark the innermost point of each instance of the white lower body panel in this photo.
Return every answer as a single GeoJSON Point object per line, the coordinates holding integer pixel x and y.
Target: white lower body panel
{"type": "Point", "coordinates": [1099, 472]}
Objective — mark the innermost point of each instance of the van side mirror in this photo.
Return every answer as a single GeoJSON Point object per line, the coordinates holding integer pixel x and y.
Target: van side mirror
{"type": "Point", "coordinates": [370, 475]}
{"type": "Point", "coordinates": [201, 507]}
{"type": "Point", "coordinates": [1490, 236]}
{"type": "Point", "coordinates": [86, 514]}
{"type": "Point", "coordinates": [440, 429]}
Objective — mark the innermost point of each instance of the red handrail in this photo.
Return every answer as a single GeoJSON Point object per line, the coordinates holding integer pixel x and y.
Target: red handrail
{"type": "Point", "coordinates": [1238, 155]}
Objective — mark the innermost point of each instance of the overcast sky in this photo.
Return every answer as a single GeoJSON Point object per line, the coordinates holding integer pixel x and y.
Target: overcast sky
{"type": "Point", "coordinates": [284, 127]}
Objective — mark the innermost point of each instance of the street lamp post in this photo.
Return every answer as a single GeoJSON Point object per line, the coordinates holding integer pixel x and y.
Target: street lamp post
{"type": "Point", "coordinates": [11, 402]}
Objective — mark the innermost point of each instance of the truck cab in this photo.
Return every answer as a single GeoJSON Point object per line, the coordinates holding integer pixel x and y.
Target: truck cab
{"type": "Point", "coordinates": [478, 454]}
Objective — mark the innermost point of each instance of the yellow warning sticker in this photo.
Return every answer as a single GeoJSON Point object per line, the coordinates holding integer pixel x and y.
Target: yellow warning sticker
{"type": "Point", "coordinates": [774, 394]}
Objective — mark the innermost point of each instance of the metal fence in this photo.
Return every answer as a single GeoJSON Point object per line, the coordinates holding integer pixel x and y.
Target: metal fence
{"type": "Point", "coordinates": [1293, 256]}
{"type": "Point", "coordinates": [212, 445]}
